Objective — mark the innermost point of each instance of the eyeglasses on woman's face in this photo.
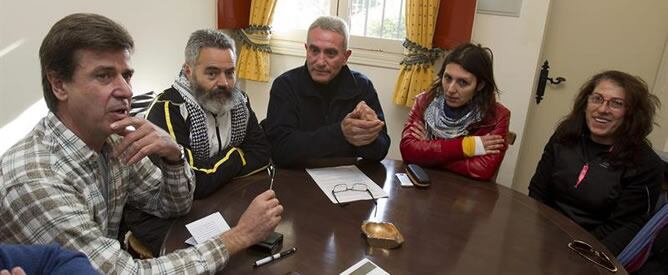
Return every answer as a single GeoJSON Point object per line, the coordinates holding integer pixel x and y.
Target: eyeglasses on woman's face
{"type": "Point", "coordinates": [605, 111]}
{"type": "Point", "coordinates": [613, 103]}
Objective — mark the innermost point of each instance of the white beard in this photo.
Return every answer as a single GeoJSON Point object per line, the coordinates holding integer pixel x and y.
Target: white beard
{"type": "Point", "coordinates": [216, 106]}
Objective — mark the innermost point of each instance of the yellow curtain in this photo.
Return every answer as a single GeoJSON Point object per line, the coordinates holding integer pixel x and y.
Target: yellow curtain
{"type": "Point", "coordinates": [417, 68]}
{"type": "Point", "coordinates": [253, 63]}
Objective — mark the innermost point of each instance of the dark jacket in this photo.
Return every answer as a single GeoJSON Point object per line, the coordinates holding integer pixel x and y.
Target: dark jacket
{"type": "Point", "coordinates": [448, 153]}
{"type": "Point", "coordinates": [304, 117]}
{"type": "Point", "coordinates": [226, 164]}
{"type": "Point", "coordinates": [610, 201]}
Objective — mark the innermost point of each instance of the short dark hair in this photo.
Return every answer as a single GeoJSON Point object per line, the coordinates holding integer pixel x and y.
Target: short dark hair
{"type": "Point", "coordinates": [639, 109]}
{"type": "Point", "coordinates": [58, 53]}
{"type": "Point", "coordinates": [206, 38]}
{"type": "Point", "coordinates": [477, 60]}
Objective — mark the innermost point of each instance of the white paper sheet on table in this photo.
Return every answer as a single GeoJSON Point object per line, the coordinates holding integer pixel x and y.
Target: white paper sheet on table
{"type": "Point", "coordinates": [206, 228]}
{"type": "Point", "coordinates": [328, 177]}
{"type": "Point", "coordinates": [364, 267]}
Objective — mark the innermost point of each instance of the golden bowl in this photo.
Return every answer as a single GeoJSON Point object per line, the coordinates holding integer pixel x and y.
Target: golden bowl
{"type": "Point", "coordinates": [382, 234]}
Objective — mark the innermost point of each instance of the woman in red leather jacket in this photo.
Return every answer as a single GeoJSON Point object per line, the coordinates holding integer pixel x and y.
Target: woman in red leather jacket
{"type": "Point", "coordinates": [457, 124]}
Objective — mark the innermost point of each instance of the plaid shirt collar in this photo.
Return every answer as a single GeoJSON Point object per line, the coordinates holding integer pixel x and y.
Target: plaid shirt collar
{"type": "Point", "coordinates": [73, 146]}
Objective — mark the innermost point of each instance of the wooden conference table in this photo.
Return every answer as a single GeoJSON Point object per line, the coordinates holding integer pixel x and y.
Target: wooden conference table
{"type": "Point", "coordinates": [456, 226]}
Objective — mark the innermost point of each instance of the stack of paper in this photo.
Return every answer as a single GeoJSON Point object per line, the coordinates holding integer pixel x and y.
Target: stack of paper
{"type": "Point", "coordinates": [206, 228]}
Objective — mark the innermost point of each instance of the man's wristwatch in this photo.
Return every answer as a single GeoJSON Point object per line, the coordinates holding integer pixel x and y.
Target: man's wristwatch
{"type": "Point", "coordinates": [181, 157]}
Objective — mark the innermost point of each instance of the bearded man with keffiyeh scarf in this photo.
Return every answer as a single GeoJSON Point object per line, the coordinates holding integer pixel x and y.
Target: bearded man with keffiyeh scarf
{"type": "Point", "coordinates": [220, 133]}
{"type": "Point", "coordinates": [207, 114]}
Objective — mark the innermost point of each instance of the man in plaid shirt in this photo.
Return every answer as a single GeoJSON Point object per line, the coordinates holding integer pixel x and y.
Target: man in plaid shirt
{"type": "Point", "coordinates": [68, 180]}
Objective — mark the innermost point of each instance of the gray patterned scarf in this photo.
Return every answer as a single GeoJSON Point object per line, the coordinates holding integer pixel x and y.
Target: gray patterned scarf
{"type": "Point", "coordinates": [199, 142]}
{"type": "Point", "coordinates": [441, 124]}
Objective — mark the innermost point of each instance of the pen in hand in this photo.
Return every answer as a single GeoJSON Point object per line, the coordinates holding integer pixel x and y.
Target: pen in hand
{"type": "Point", "coordinates": [274, 257]}
{"type": "Point", "coordinates": [271, 171]}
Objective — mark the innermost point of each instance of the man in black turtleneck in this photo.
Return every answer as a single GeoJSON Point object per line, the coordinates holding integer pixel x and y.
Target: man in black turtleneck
{"type": "Point", "coordinates": [323, 109]}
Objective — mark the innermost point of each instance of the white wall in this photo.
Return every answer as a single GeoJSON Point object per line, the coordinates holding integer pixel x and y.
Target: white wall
{"type": "Point", "coordinates": [517, 43]}
{"type": "Point", "coordinates": [161, 28]}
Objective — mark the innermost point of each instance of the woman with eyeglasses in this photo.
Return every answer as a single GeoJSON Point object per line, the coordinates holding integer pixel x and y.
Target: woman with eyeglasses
{"type": "Point", "coordinates": [457, 124]}
{"type": "Point", "coordinates": [598, 168]}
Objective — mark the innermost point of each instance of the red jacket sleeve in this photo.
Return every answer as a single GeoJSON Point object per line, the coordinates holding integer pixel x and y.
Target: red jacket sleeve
{"type": "Point", "coordinates": [484, 167]}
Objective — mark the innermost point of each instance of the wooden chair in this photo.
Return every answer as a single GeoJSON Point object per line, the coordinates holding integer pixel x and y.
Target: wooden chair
{"type": "Point", "coordinates": [141, 103]}
{"type": "Point", "coordinates": [510, 138]}
{"type": "Point", "coordinates": [137, 248]}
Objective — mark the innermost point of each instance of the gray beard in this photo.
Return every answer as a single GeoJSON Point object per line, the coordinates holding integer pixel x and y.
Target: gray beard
{"type": "Point", "coordinates": [215, 106]}
{"type": "Point", "coordinates": [211, 102]}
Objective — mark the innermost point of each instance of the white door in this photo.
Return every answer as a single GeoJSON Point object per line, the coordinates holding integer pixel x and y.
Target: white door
{"type": "Point", "coordinates": [582, 39]}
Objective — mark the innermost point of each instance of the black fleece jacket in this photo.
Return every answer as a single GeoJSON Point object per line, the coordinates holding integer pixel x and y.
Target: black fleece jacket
{"type": "Point", "coordinates": [610, 202]}
{"type": "Point", "coordinates": [304, 117]}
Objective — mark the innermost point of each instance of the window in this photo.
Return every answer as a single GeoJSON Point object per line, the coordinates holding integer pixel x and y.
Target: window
{"type": "Point", "coordinates": [375, 25]}
{"type": "Point", "coordinates": [378, 18]}
{"type": "Point", "coordinates": [293, 15]}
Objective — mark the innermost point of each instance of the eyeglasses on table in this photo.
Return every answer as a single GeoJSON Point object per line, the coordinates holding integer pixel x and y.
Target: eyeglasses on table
{"type": "Point", "coordinates": [585, 250]}
{"type": "Point", "coordinates": [355, 187]}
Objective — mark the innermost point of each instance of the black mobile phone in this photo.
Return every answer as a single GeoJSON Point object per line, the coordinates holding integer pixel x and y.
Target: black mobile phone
{"type": "Point", "coordinates": [417, 175]}
{"type": "Point", "coordinates": [271, 244]}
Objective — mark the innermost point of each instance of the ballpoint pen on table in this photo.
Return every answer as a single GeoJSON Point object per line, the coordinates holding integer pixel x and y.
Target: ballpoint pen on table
{"type": "Point", "coordinates": [274, 257]}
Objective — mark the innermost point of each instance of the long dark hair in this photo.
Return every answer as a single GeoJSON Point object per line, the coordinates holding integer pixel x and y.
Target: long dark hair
{"type": "Point", "coordinates": [639, 109]}
{"type": "Point", "coordinates": [478, 61]}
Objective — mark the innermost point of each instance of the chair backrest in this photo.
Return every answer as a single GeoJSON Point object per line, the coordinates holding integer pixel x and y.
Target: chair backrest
{"type": "Point", "coordinates": [510, 138]}
{"type": "Point", "coordinates": [140, 104]}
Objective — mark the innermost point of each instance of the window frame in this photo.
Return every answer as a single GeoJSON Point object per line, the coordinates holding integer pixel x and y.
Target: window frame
{"type": "Point", "coordinates": [371, 51]}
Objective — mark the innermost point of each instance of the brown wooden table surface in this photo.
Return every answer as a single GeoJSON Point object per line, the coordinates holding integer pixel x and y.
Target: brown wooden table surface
{"type": "Point", "coordinates": [456, 226]}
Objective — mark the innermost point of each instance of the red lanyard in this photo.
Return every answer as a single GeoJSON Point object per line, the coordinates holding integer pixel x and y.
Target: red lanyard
{"type": "Point", "coordinates": [583, 173]}
{"type": "Point", "coordinates": [585, 167]}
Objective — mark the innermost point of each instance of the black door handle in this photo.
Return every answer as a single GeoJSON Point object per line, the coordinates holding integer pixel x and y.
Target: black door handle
{"type": "Point", "coordinates": [542, 81]}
